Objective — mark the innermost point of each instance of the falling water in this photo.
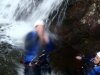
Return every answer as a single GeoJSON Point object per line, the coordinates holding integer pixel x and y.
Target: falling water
{"type": "Point", "coordinates": [17, 17]}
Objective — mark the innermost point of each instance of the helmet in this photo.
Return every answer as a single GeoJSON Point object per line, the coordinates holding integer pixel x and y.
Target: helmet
{"type": "Point", "coordinates": [98, 53]}
{"type": "Point", "coordinates": [39, 22]}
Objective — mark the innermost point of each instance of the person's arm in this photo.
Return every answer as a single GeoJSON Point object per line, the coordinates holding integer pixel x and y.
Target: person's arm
{"type": "Point", "coordinates": [82, 58]}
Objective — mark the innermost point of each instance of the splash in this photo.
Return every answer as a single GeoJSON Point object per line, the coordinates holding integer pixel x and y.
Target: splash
{"type": "Point", "coordinates": [17, 17]}
{"type": "Point", "coordinates": [14, 32]}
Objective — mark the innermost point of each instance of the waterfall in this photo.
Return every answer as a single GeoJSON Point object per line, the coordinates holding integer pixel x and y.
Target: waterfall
{"type": "Point", "coordinates": [17, 17]}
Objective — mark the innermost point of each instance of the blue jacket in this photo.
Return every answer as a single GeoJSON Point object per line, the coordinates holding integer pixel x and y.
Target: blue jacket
{"type": "Point", "coordinates": [33, 47]}
{"type": "Point", "coordinates": [88, 62]}
{"type": "Point", "coordinates": [94, 71]}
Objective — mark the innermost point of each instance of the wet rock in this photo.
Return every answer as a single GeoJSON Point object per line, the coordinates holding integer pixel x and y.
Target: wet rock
{"type": "Point", "coordinates": [80, 31]}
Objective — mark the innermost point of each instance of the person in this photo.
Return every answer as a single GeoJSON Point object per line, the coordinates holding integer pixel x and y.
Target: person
{"type": "Point", "coordinates": [96, 69]}
{"type": "Point", "coordinates": [95, 62]}
{"type": "Point", "coordinates": [38, 45]}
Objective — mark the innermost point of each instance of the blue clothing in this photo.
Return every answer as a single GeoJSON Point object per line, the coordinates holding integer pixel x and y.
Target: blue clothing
{"type": "Point", "coordinates": [95, 71]}
{"type": "Point", "coordinates": [34, 47]}
{"type": "Point", "coordinates": [88, 63]}
{"type": "Point", "coordinates": [50, 46]}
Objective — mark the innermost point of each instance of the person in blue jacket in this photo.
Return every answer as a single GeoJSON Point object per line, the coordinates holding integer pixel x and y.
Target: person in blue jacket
{"type": "Point", "coordinates": [37, 44]}
{"type": "Point", "coordinates": [96, 69]}
{"type": "Point", "coordinates": [91, 65]}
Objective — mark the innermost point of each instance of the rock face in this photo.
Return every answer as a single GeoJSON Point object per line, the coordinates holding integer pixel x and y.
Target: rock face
{"type": "Point", "coordinates": [79, 34]}
{"type": "Point", "coordinates": [9, 56]}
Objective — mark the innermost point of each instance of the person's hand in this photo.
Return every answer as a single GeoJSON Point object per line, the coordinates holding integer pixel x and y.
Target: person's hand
{"type": "Point", "coordinates": [78, 57]}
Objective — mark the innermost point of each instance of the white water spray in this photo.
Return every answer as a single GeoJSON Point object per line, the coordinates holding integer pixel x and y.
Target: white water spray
{"type": "Point", "coordinates": [17, 17]}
